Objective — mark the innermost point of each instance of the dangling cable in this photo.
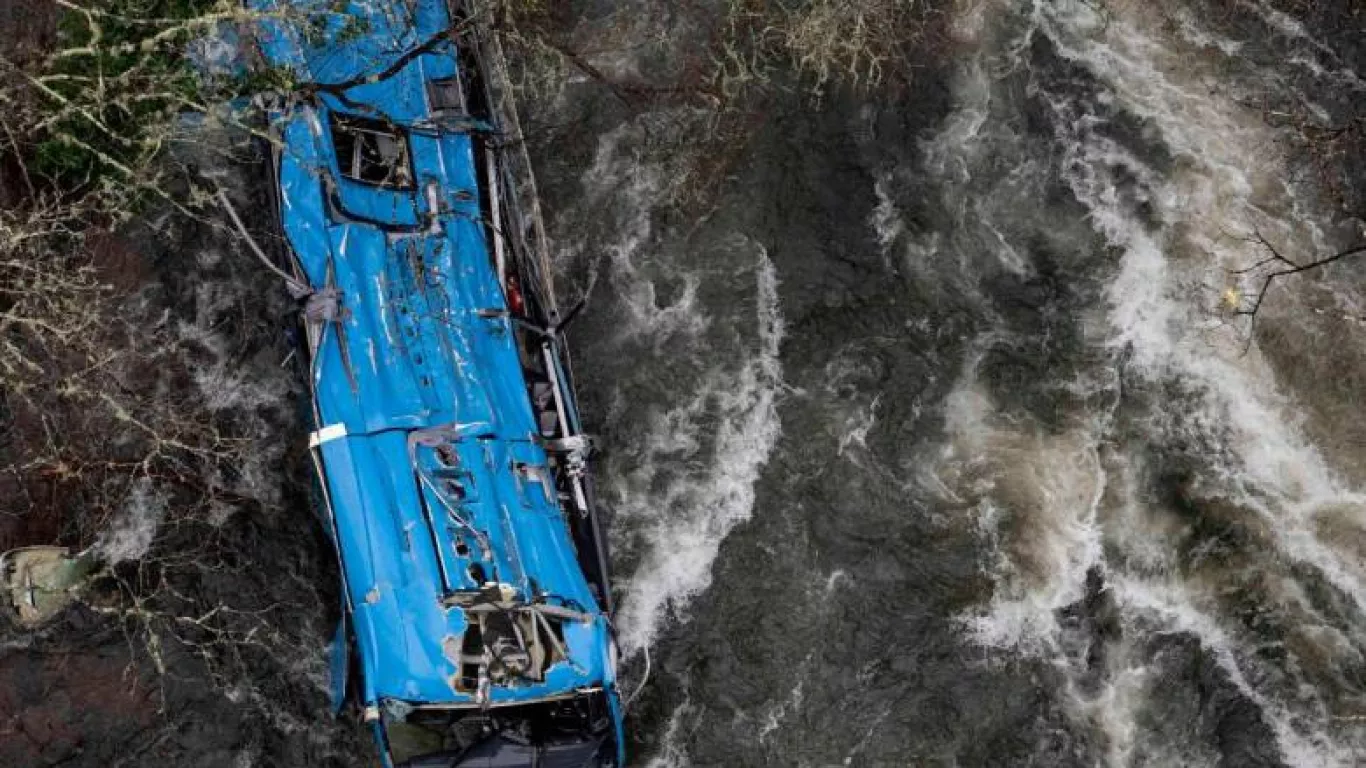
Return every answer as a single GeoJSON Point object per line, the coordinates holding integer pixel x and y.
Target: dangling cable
{"type": "Point", "coordinates": [643, 680]}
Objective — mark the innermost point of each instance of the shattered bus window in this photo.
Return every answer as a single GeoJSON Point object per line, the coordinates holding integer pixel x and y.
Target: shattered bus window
{"type": "Point", "coordinates": [372, 152]}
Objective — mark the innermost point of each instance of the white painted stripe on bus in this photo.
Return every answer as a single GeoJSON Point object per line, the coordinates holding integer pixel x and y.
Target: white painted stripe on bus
{"type": "Point", "coordinates": [326, 434]}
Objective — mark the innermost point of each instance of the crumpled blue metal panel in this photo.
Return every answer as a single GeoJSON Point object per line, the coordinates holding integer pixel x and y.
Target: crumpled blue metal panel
{"type": "Point", "coordinates": [423, 341]}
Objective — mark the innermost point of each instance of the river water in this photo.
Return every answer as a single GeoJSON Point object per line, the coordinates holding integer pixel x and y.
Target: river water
{"type": "Point", "coordinates": [929, 434]}
{"type": "Point", "coordinates": [927, 438]}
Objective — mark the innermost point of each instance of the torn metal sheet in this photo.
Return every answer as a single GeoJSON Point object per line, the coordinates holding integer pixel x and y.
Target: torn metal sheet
{"type": "Point", "coordinates": [456, 490]}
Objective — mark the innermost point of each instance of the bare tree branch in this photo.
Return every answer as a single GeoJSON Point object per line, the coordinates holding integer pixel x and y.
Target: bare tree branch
{"type": "Point", "coordinates": [1287, 267]}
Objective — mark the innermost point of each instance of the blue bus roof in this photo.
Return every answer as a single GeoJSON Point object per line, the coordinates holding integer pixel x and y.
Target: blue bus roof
{"type": "Point", "coordinates": [435, 474]}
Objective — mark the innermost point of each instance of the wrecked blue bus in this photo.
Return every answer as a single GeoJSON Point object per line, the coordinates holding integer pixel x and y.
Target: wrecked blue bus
{"type": "Point", "coordinates": [453, 467]}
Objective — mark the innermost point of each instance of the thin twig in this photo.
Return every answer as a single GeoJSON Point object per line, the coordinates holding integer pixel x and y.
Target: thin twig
{"type": "Point", "coordinates": [1291, 268]}
{"type": "Point", "coordinates": [293, 282]}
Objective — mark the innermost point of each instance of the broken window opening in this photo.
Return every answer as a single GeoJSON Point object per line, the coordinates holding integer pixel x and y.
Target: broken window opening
{"type": "Point", "coordinates": [372, 152]}
{"type": "Point", "coordinates": [504, 646]}
{"type": "Point", "coordinates": [446, 96]}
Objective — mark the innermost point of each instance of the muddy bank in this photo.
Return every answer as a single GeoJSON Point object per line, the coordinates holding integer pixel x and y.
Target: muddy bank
{"type": "Point", "coordinates": [205, 639]}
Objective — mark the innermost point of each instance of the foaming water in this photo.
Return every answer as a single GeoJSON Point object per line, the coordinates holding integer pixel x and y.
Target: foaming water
{"type": "Point", "coordinates": [1175, 609]}
{"type": "Point", "coordinates": [131, 534]}
{"type": "Point", "coordinates": [618, 178]}
{"type": "Point", "coordinates": [671, 754]}
{"type": "Point", "coordinates": [1173, 176]}
{"type": "Point", "coordinates": [1230, 181]}
{"type": "Point", "coordinates": [686, 477]}
{"type": "Point", "coordinates": [683, 524]}
{"type": "Point", "coordinates": [1035, 498]}
{"type": "Point", "coordinates": [1320, 60]}
{"type": "Point", "coordinates": [1017, 404]}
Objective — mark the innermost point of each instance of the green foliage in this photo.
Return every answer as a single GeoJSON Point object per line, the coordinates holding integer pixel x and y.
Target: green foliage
{"type": "Point", "coordinates": [353, 28]}
{"type": "Point", "coordinates": [58, 160]}
{"type": "Point", "coordinates": [263, 80]}
{"type": "Point", "coordinates": [106, 104]}
{"type": "Point", "coordinates": [121, 75]}
{"type": "Point", "coordinates": [335, 23]}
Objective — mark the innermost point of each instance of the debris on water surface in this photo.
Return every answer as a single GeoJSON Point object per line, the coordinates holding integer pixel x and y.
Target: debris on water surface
{"type": "Point", "coordinates": [40, 581]}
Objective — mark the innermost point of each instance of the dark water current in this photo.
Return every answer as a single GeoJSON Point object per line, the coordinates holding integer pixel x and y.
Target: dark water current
{"type": "Point", "coordinates": [928, 443]}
